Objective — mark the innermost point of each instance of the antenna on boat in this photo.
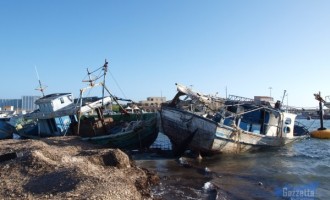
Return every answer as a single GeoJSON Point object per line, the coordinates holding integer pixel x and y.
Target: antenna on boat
{"type": "Point", "coordinates": [90, 79]}
{"type": "Point", "coordinates": [40, 88]}
{"type": "Point", "coordinates": [91, 82]}
{"type": "Point", "coordinates": [283, 96]}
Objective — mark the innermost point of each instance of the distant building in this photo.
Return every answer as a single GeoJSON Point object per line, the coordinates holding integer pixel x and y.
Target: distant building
{"type": "Point", "coordinates": [26, 103]}
{"type": "Point", "coordinates": [152, 104]}
{"type": "Point", "coordinates": [10, 103]}
{"type": "Point", "coordinates": [263, 98]}
{"type": "Point", "coordinates": [8, 108]}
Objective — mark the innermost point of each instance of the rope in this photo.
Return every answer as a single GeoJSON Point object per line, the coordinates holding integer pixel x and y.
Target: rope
{"type": "Point", "coordinates": [237, 114]}
{"type": "Point", "coordinates": [117, 85]}
{"type": "Point", "coordinates": [311, 124]}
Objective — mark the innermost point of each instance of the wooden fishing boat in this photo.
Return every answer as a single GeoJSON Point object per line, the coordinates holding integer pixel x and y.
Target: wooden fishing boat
{"type": "Point", "coordinates": [120, 130]}
{"type": "Point", "coordinates": [59, 115]}
{"type": "Point", "coordinates": [192, 122]}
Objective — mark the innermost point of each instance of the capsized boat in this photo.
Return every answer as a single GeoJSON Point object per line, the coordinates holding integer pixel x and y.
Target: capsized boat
{"type": "Point", "coordinates": [211, 125]}
{"type": "Point", "coordinates": [59, 115]}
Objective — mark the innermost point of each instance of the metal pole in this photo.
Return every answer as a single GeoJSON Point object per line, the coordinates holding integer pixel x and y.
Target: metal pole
{"type": "Point", "coordinates": [105, 69]}
{"type": "Point", "coordinates": [321, 116]}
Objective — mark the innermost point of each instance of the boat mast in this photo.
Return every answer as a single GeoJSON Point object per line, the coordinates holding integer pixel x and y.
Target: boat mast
{"type": "Point", "coordinates": [40, 88]}
{"type": "Point", "coordinates": [284, 93]}
{"type": "Point", "coordinates": [91, 80]}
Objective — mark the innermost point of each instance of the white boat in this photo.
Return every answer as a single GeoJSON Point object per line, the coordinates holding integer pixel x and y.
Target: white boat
{"type": "Point", "coordinates": [192, 122]}
{"type": "Point", "coordinates": [327, 101]}
{"type": "Point", "coordinates": [51, 119]}
{"type": "Point", "coordinates": [6, 115]}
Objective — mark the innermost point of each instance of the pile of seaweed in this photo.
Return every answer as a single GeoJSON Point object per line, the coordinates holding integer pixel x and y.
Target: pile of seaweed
{"type": "Point", "coordinates": [68, 168]}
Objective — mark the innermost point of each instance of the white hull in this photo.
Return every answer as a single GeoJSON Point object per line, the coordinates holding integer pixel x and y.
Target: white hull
{"type": "Point", "coordinates": [327, 104]}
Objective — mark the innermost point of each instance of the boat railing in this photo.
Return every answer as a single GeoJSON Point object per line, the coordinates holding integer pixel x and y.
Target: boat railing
{"type": "Point", "coordinates": [327, 101]}
{"type": "Point", "coordinates": [229, 114]}
{"type": "Point", "coordinates": [231, 119]}
{"type": "Point", "coordinates": [300, 129]}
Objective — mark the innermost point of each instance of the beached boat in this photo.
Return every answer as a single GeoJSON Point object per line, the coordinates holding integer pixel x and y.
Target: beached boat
{"type": "Point", "coordinates": [59, 115]}
{"type": "Point", "coordinates": [52, 118]}
{"type": "Point", "coordinates": [5, 115]}
{"type": "Point", "coordinates": [125, 131]}
{"type": "Point", "coordinates": [191, 122]}
{"type": "Point", "coordinates": [326, 101]}
{"type": "Point", "coordinates": [6, 130]}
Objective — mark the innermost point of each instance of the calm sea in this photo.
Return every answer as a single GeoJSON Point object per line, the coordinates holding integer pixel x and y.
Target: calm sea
{"type": "Point", "coordinates": [297, 171]}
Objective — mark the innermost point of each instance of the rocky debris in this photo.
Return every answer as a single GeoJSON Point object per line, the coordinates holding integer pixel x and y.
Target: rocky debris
{"type": "Point", "coordinates": [68, 168]}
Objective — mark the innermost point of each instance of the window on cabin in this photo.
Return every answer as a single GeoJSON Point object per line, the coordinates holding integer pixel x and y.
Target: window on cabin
{"type": "Point", "coordinates": [286, 129]}
{"type": "Point", "coordinates": [255, 128]}
{"type": "Point", "coordinates": [62, 100]}
{"type": "Point", "coordinates": [288, 121]}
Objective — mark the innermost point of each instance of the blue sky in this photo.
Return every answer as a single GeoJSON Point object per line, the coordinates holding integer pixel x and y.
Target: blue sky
{"type": "Point", "coordinates": [246, 46]}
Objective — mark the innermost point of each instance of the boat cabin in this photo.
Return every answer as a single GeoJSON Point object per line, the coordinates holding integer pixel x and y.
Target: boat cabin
{"type": "Point", "coordinates": [54, 114]}
{"type": "Point", "coordinates": [54, 102]}
{"type": "Point", "coordinates": [260, 120]}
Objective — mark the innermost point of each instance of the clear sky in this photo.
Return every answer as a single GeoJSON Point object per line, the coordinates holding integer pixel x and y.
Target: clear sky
{"type": "Point", "coordinates": [246, 46]}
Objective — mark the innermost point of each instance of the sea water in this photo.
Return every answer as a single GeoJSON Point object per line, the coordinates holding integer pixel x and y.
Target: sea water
{"type": "Point", "coordinates": [298, 171]}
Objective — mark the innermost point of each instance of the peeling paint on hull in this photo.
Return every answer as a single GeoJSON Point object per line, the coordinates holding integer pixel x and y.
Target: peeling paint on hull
{"type": "Point", "coordinates": [211, 137]}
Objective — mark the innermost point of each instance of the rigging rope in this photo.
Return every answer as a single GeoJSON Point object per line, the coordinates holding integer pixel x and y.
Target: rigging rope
{"type": "Point", "coordinates": [311, 124]}
{"type": "Point", "coordinates": [117, 85]}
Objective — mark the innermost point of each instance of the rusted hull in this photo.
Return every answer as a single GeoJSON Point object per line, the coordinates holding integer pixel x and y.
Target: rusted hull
{"type": "Point", "coordinates": [197, 133]}
{"type": "Point", "coordinates": [179, 127]}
